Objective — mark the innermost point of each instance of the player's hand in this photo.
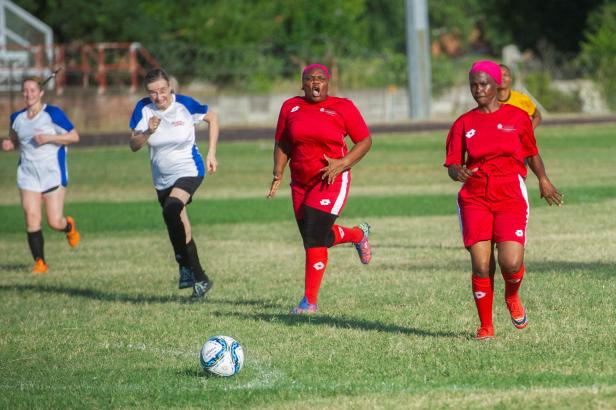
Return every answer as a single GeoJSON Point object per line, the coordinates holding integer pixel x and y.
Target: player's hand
{"type": "Point", "coordinates": [211, 163]}
{"type": "Point", "coordinates": [334, 168]}
{"type": "Point", "coordinates": [462, 173]}
{"type": "Point", "coordinates": [153, 124]}
{"type": "Point", "coordinates": [7, 145]}
{"type": "Point", "coordinates": [549, 192]}
{"type": "Point", "coordinates": [274, 188]}
{"type": "Point", "coordinates": [41, 139]}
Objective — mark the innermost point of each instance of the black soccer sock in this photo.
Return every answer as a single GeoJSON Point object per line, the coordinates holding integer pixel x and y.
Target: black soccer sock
{"type": "Point", "coordinates": [171, 213]}
{"type": "Point", "coordinates": [37, 244]}
{"type": "Point", "coordinates": [193, 257]}
{"type": "Point", "coordinates": [68, 227]}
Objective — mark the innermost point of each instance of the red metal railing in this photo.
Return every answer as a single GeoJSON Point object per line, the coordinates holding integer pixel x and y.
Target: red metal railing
{"type": "Point", "coordinates": [122, 63]}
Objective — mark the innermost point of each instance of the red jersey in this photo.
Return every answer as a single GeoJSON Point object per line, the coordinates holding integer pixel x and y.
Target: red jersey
{"type": "Point", "coordinates": [308, 131]}
{"type": "Point", "coordinates": [497, 143]}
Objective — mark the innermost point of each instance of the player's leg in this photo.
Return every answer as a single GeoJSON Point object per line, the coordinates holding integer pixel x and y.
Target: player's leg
{"type": "Point", "coordinates": [483, 286]}
{"type": "Point", "coordinates": [31, 203]}
{"type": "Point", "coordinates": [202, 283]}
{"type": "Point", "coordinates": [476, 224]}
{"type": "Point", "coordinates": [511, 262]}
{"type": "Point", "coordinates": [510, 225]}
{"type": "Point", "coordinates": [317, 234]}
{"type": "Point", "coordinates": [173, 202]}
{"type": "Point", "coordinates": [54, 209]}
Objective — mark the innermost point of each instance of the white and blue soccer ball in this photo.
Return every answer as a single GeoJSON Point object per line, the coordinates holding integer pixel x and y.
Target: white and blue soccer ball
{"type": "Point", "coordinates": [222, 356]}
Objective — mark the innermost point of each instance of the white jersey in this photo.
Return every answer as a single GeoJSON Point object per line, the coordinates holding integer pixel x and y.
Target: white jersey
{"type": "Point", "coordinates": [173, 152]}
{"type": "Point", "coordinates": [41, 167]}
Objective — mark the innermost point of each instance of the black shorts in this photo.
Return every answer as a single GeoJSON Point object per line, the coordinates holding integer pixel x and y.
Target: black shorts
{"type": "Point", "coordinates": [188, 184]}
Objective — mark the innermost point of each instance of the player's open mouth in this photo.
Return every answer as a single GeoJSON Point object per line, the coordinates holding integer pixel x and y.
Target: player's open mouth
{"type": "Point", "coordinates": [316, 91]}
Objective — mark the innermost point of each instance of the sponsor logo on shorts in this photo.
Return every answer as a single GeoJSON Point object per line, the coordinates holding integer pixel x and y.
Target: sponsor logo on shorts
{"type": "Point", "coordinates": [479, 295]}
{"type": "Point", "coordinates": [319, 266]}
{"type": "Point", "coordinates": [519, 233]}
{"type": "Point", "coordinates": [325, 202]}
{"type": "Point", "coordinates": [470, 133]}
{"type": "Point", "coordinates": [295, 108]}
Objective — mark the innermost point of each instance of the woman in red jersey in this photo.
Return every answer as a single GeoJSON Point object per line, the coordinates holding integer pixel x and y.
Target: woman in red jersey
{"type": "Point", "coordinates": [486, 150]}
{"type": "Point", "coordinates": [311, 135]}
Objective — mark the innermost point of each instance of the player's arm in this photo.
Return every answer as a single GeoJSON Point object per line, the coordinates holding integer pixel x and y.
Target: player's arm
{"type": "Point", "coordinates": [337, 166]}
{"type": "Point", "coordinates": [548, 191]}
{"type": "Point", "coordinates": [10, 143]}
{"type": "Point", "coordinates": [67, 138]}
{"type": "Point", "coordinates": [536, 118]}
{"type": "Point", "coordinates": [139, 138]}
{"type": "Point", "coordinates": [281, 157]}
{"type": "Point", "coordinates": [214, 129]}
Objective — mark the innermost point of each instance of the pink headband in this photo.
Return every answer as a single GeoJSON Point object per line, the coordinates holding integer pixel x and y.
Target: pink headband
{"type": "Point", "coordinates": [319, 66]}
{"type": "Point", "coordinates": [490, 68]}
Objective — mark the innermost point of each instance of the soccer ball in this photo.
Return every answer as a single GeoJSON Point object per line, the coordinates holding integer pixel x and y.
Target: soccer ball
{"type": "Point", "coordinates": [222, 356]}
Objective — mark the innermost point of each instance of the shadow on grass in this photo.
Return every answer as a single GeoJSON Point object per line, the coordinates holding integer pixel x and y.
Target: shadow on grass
{"type": "Point", "coordinates": [132, 299]}
{"type": "Point", "coordinates": [598, 269]}
{"type": "Point", "coordinates": [286, 318]}
{"type": "Point", "coordinates": [15, 267]}
{"type": "Point", "coordinates": [340, 322]}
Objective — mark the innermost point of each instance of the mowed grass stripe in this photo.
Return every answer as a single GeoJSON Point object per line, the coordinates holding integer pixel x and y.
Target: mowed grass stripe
{"type": "Point", "coordinates": [129, 216]}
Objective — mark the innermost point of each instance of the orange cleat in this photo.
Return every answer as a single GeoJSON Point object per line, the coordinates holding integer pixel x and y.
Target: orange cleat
{"type": "Point", "coordinates": [72, 236]}
{"type": "Point", "coordinates": [40, 267]}
{"type": "Point", "coordinates": [484, 333]}
{"type": "Point", "coordinates": [517, 312]}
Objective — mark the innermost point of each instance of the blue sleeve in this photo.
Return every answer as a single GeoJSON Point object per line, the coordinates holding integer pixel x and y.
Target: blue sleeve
{"type": "Point", "coordinates": [14, 116]}
{"type": "Point", "coordinates": [138, 112]}
{"type": "Point", "coordinates": [193, 106]}
{"type": "Point", "coordinates": [59, 118]}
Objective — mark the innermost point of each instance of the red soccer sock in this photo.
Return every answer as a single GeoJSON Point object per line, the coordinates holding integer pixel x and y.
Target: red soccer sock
{"type": "Point", "coordinates": [345, 235]}
{"type": "Point", "coordinates": [512, 283]}
{"type": "Point", "coordinates": [316, 262]}
{"type": "Point", "coordinates": [483, 294]}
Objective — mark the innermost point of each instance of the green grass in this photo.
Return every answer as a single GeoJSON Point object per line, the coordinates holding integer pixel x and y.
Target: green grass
{"type": "Point", "coordinates": [107, 326]}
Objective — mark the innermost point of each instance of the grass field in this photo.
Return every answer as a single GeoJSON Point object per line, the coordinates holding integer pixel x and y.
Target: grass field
{"type": "Point", "coordinates": [107, 326]}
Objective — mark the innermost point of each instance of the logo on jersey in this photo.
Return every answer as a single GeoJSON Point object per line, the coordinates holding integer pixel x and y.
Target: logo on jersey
{"type": "Point", "coordinates": [319, 266]}
{"type": "Point", "coordinates": [479, 295]}
{"type": "Point", "coordinates": [328, 112]}
{"type": "Point", "coordinates": [177, 123]}
{"type": "Point", "coordinates": [519, 233]}
{"type": "Point", "coordinates": [470, 133]}
{"type": "Point", "coordinates": [325, 202]}
{"type": "Point", "coordinates": [506, 128]}
{"type": "Point", "coordinates": [295, 108]}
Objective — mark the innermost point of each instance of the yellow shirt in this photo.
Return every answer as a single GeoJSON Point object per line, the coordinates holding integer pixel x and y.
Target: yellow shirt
{"type": "Point", "coordinates": [522, 101]}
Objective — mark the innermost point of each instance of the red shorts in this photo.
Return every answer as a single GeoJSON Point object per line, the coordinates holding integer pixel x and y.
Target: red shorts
{"type": "Point", "coordinates": [325, 197]}
{"type": "Point", "coordinates": [493, 209]}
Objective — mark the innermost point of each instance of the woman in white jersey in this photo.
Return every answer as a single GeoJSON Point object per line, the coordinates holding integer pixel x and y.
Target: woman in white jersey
{"type": "Point", "coordinates": [42, 132]}
{"type": "Point", "coordinates": [166, 122]}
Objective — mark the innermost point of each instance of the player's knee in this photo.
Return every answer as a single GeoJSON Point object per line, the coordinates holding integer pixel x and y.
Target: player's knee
{"type": "Point", "coordinates": [511, 265]}
{"type": "Point", "coordinates": [315, 238]}
{"type": "Point", "coordinates": [56, 223]}
{"type": "Point", "coordinates": [172, 207]}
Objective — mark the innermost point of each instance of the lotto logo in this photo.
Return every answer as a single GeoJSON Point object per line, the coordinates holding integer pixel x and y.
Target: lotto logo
{"type": "Point", "coordinates": [325, 202]}
{"type": "Point", "coordinates": [519, 233]}
{"type": "Point", "coordinates": [341, 232]}
{"type": "Point", "coordinates": [319, 265]}
{"type": "Point", "coordinates": [470, 133]}
{"type": "Point", "coordinates": [479, 295]}
{"type": "Point", "coordinates": [295, 108]}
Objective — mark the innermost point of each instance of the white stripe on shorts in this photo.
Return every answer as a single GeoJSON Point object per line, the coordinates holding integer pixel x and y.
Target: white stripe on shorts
{"type": "Point", "coordinates": [525, 195]}
{"type": "Point", "coordinates": [343, 193]}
